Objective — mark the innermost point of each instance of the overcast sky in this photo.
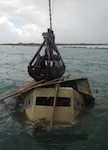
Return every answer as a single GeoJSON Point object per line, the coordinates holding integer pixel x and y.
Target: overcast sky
{"type": "Point", "coordinates": [74, 21]}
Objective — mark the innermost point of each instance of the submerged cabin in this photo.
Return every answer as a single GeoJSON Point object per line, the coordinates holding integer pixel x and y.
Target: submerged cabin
{"type": "Point", "coordinates": [59, 104]}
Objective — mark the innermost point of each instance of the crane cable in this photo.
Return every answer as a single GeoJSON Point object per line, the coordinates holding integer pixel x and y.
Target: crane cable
{"type": "Point", "coordinates": [51, 12]}
{"type": "Point", "coordinates": [50, 15]}
{"type": "Point", "coordinates": [53, 7]}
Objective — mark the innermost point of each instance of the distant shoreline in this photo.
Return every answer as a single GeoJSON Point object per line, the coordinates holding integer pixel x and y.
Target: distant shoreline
{"type": "Point", "coordinates": [59, 44]}
{"type": "Point", "coordinates": [63, 45]}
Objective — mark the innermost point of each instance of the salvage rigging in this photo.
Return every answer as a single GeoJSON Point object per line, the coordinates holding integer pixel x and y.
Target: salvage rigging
{"type": "Point", "coordinates": [49, 65]}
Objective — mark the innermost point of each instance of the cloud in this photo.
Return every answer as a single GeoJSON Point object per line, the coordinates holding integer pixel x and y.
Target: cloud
{"type": "Point", "coordinates": [74, 21]}
{"type": "Point", "coordinates": [12, 34]}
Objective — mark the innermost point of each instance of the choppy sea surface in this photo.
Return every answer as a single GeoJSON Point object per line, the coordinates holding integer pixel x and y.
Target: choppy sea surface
{"type": "Point", "coordinates": [89, 131]}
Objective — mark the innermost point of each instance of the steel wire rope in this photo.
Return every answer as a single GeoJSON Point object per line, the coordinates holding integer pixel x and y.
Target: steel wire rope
{"type": "Point", "coordinates": [51, 9]}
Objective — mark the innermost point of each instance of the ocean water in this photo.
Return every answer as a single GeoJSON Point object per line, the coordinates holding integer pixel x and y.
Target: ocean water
{"type": "Point", "coordinates": [89, 131]}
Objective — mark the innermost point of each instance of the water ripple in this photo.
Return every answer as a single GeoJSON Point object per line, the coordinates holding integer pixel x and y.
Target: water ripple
{"type": "Point", "coordinates": [90, 132]}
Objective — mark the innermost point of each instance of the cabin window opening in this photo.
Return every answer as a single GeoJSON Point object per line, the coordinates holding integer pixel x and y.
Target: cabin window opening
{"type": "Point", "coordinates": [78, 104]}
{"type": "Point", "coordinates": [82, 105]}
{"type": "Point", "coordinates": [28, 102]}
{"type": "Point", "coordinates": [63, 101]}
{"type": "Point", "coordinates": [45, 101]}
{"type": "Point", "coordinates": [48, 101]}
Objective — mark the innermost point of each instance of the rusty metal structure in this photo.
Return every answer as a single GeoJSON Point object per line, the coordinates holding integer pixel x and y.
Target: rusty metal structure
{"type": "Point", "coordinates": [47, 64]}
